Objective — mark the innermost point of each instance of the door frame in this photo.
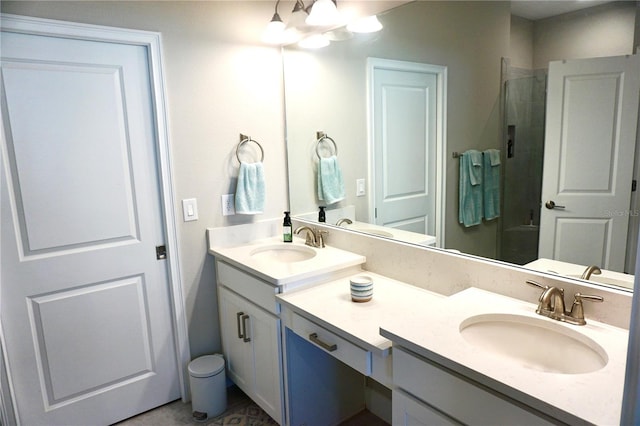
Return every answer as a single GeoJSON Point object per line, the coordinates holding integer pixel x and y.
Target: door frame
{"type": "Point", "coordinates": [441, 132]}
{"type": "Point", "coordinates": [152, 41]}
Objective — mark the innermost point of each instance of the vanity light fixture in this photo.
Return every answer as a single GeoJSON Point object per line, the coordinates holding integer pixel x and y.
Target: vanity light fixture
{"type": "Point", "coordinates": [274, 33]}
{"type": "Point", "coordinates": [298, 16]}
{"type": "Point", "coordinates": [367, 24]}
{"type": "Point", "coordinates": [323, 13]}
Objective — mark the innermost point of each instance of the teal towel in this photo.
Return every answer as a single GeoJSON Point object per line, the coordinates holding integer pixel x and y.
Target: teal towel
{"type": "Point", "coordinates": [250, 190]}
{"type": "Point", "coordinates": [330, 182]}
{"type": "Point", "coordinates": [491, 184]}
{"type": "Point", "coordinates": [470, 193]}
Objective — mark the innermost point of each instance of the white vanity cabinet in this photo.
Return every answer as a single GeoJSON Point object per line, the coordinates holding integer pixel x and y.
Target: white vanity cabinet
{"type": "Point", "coordinates": [426, 393]}
{"type": "Point", "coordinates": [250, 328]}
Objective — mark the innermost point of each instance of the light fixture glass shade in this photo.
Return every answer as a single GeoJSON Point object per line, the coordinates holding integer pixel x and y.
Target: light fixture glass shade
{"type": "Point", "coordinates": [315, 41]}
{"type": "Point", "coordinates": [297, 20]}
{"type": "Point", "coordinates": [323, 13]}
{"type": "Point", "coordinates": [367, 24]}
{"type": "Point", "coordinates": [274, 33]}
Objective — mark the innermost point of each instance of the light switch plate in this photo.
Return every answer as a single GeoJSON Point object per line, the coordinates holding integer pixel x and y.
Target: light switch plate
{"type": "Point", "coordinates": [360, 191]}
{"type": "Point", "coordinates": [190, 209]}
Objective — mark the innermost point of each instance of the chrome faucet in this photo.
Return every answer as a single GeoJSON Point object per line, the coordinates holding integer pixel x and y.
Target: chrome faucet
{"type": "Point", "coordinates": [551, 304]}
{"type": "Point", "coordinates": [344, 220]}
{"type": "Point", "coordinates": [314, 237]}
{"type": "Point", "coordinates": [593, 269]}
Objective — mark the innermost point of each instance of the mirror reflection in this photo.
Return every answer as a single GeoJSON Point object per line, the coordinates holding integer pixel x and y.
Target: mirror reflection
{"type": "Point", "coordinates": [491, 70]}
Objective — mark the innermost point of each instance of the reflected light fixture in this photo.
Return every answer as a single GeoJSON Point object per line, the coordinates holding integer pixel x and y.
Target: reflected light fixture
{"type": "Point", "coordinates": [323, 13]}
{"type": "Point", "coordinates": [366, 24]}
{"type": "Point", "coordinates": [298, 16]}
{"type": "Point", "coordinates": [315, 41]}
{"type": "Point", "coordinates": [274, 33]}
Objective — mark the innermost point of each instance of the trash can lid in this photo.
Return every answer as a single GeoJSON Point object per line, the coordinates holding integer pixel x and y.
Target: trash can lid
{"type": "Point", "coordinates": [206, 366]}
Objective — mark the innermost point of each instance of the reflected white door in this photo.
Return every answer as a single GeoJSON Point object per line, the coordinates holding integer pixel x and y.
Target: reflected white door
{"type": "Point", "coordinates": [404, 129]}
{"type": "Point", "coordinates": [85, 303]}
{"type": "Point", "coordinates": [592, 112]}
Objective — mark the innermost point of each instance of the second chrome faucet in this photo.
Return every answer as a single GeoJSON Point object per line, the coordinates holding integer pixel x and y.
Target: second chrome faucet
{"type": "Point", "coordinates": [551, 304]}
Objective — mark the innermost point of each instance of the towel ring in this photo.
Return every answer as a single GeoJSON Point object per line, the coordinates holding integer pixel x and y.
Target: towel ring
{"type": "Point", "coordinates": [244, 139]}
{"type": "Point", "coordinates": [321, 138]}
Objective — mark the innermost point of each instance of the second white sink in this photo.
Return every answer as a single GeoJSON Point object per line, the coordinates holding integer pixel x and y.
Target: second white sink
{"type": "Point", "coordinates": [534, 343]}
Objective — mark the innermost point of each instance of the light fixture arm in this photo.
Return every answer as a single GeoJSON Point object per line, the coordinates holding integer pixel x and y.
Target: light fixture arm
{"type": "Point", "coordinates": [276, 16]}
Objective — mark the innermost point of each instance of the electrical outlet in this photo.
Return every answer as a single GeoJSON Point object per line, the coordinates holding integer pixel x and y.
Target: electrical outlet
{"type": "Point", "coordinates": [228, 205]}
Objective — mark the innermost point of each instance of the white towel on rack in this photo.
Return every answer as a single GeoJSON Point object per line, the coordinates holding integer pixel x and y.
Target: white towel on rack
{"type": "Point", "coordinates": [250, 189]}
{"type": "Point", "coordinates": [330, 182]}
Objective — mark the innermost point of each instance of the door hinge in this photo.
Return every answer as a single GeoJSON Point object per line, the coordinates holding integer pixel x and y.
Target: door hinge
{"type": "Point", "coordinates": [634, 184]}
{"type": "Point", "coordinates": [161, 252]}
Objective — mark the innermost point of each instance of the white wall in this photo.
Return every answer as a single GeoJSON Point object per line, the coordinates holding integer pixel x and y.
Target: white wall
{"type": "Point", "coordinates": [220, 83]}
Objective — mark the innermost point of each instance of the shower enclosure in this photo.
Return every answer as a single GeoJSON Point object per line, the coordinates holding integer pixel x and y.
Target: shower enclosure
{"type": "Point", "coordinates": [524, 95]}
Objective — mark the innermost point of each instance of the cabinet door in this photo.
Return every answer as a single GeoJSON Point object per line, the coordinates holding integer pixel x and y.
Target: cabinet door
{"type": "Point", "coordinates": [264, 332]}
{"type": "Point", "coordinates": [409, 412]}
{"type": "Point", "coordinates": [237, 352]}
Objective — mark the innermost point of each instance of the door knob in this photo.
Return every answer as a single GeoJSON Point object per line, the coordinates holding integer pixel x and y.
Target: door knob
{"type": "Point", "coordinates": [552, 205]}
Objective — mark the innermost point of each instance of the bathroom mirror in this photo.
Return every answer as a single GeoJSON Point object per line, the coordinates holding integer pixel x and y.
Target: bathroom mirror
{"type": "Point", "coordinates": [488, 57]}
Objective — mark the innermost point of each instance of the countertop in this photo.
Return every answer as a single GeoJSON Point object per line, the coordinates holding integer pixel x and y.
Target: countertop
{"type": "Point", "coordinates": [434, 333]}
{"type": "Point", "coordinates": [330, 306]}
{"type": "Point", "coordinates": [327, 260]}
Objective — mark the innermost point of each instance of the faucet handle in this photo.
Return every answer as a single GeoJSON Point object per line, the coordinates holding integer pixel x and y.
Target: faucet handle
{"type": "Point", "coordinates": [577, 311]}
{"type": "Point", "coordinates": [320, 233]}
{"type": "Point", "coordinates": [580, 297]}
{"type": "Point", "coordinates": [537, 284]}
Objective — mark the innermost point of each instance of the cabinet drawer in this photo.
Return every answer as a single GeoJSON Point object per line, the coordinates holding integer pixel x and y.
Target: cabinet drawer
{"type": "Point", "coordinates": [408, 411]}
{"type": "Point", "coordinates": [352, 355]}
{"type": "Point", "coordinates": [259, 292]}
{"type": "Point", "coordinates": [452, 394]}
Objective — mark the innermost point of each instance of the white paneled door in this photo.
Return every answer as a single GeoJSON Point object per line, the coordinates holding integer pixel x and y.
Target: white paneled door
{"type": "Point", "coordinates": [592, 112]}
{"type": "Point", "coordinates": [85, 303]}
{"type": "Point", "coordinates": [406, 122]}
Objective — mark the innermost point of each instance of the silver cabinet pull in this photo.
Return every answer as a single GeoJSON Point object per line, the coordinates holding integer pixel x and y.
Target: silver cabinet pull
{"type": "Point", "coordinates": [552, 205]}
{"type": "Point", "coordinates": [238, 316]}
{"type": "Point", "coordinates": [244, 328]}
{"type": "Point", "coordinates": [326, 346]}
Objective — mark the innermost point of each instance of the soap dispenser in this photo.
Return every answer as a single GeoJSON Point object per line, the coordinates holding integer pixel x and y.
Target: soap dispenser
{"type": "Point", "coordinates": [321, 215]}
{"type": "Point", "coordinates": [287, 233]}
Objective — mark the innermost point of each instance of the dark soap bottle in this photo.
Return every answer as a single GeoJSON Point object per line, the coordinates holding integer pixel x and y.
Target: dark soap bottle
{"type": "Point", "coordinates": [321, 215]}
{"type": "Point", "coordinates": [287, 233]}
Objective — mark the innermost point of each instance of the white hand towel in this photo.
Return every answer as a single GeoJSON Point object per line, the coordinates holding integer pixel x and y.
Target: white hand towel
{"type": "Point", "coordinates": [250, 190]}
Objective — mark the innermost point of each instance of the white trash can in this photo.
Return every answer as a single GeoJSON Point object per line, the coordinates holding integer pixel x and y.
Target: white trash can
{"type": "Point", "coordinates": [208, 387]}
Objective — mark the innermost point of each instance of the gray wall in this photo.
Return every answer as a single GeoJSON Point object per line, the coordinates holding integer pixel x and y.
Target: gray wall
{"type": "Point", "coordinates": [470, 38]}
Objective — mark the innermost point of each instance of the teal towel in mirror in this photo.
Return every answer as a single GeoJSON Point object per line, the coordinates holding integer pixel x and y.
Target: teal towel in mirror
{"type": "Point", "coordinates": [250, 190]}
{"type": "Point", "coordinates": [470, 192]}
{"type": "Point", "coordinates": [330, 182]}
{"type": "Point", "coordinates": [491, 184]}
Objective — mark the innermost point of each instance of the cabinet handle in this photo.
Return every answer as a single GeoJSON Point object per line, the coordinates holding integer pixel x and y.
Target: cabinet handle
{"type": "Point", "coordinates": [315, 339]}
{"type": "Point", "coordinates": [238, 316]}
{"type": "Point", "coordinates": [244, 328]}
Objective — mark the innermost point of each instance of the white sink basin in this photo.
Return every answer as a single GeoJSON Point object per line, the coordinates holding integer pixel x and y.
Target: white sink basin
{"type": "Point", "coordinates": [537, 344]}
{"type": "Point", "coordinates": [284, 253]}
